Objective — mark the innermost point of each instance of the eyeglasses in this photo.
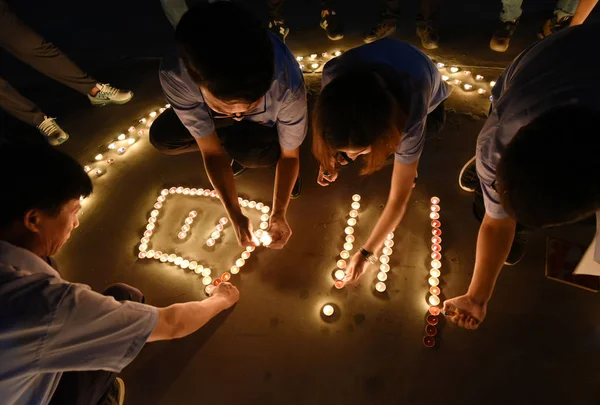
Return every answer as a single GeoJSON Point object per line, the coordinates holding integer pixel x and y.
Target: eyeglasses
{"type": "Point", "coordinates": [217, 115]}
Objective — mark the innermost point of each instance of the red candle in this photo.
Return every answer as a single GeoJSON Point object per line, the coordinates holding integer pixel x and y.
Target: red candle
{"type": "Point", "coordinates": [226, 276]}
{"type": "Point", "coordinates": [434, 311]}
{"type": "Point", "coordinates": [432, 320]}
{"type": "Point", "coordinates": [431, 330]}
{"type": "Point", "coordinates": [435, 290]}
{"type": "Point", "coordinates": [217, 281]}
{"type": "Point", "coordinates": [436, 223]}
{"type": "Point", "coordinates": [339, 284]}
{"type": "Point", "coordinates": [436, 231]}
{"type": "Point", "coordinates": [436, 248]}
{"type": "Point", "coordinates": [436, 240]}
{"type": "Point", "coordinates": [429, 341]}
{"type": "Point", "coordinates": [436, 255]}
{"type": "Point", "coordinates": [435, 208]}
{"type": "Point", "coordinates": [435, 200]}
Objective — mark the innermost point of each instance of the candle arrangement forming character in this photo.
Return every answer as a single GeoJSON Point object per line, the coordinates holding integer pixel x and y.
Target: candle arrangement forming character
{"type": "Point", "coordinates": [145, 252]}
{"type": "Point", "coordinates": [434, 274]}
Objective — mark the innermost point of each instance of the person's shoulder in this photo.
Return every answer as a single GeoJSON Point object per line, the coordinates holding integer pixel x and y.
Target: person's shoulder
{"type": "Point", "coordinates": [288, 71]}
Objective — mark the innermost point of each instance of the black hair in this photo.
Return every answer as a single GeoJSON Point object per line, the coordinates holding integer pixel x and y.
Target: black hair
{"type": "Point", "coordinates": [550, 172]}
{"type": "Point", "coordinates": [38, 177]}
{"type": "Point", "coordinates": [227, 51]}
{"type": "Point", "coordinates": [359, 109]}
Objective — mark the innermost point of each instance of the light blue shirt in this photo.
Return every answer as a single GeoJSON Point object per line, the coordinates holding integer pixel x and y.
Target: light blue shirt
{"type": "Point", "coordinates": [49, 326]}
{"type": "Point", "coordinates": [554, 72]}
{"type": "Point", "coordinates": [285, 100]}
{"type": "Point", "coordinates": [419, 76]}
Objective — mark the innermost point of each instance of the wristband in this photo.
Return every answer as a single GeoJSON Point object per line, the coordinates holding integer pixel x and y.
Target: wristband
{"type": "Point", "coordinates": [371, 258]}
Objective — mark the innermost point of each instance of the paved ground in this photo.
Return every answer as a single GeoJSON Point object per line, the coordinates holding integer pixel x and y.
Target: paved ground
{"type": "Point", "coordinates": [539, 344]}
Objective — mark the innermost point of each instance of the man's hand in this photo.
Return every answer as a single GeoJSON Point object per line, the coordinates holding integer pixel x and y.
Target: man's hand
{"type": "Point", "coordinates": [280, 232]}
{"type": "Point", "coordinates": [244, 232]}
{"type": "Point", "coordinates": [227, 294]}
{"type": "Point", "coordinates": [325, 178]}
{"type": "Point", "coordinates": [357, 266]}
{"type": "Point", "coordinates": [465, 311]}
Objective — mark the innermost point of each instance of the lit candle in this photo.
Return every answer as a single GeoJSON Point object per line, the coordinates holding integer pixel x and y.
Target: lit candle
{"type": "Point", "coordinates": [210, 242]}
{"type": "Point", "coordinates": [217, 281]}
{"type": "Point", "coordinates": [153, 114]}
{"type": "Point", "coordinates": [440, 65]}
{"type": "Point", "coordinates": [252, 204]}
{"type": "Point", "coordinates": [355, 205]}
{"type": "Point", "coordinates": [167, 105]}
{"type": "Point", "coordinates": [186, 191]}
{"type": "Point", "coordinates": [215, 235]}
{"type": "Point", "coordinates": [454, 69]}
{"type": "Point", "coordinates": [478, 77]}
{"type": "Point", "coordinates": [432, 319]}
{"type": "Point", "coordinates": [206, 272]}
{"type": "Point", "coordinates": [337, 53]}
{"type": "Point", "coordinates": [223, 221]}
{"type": "Point", "coordinates": [172, 190]}
{"type": "Point", "coordinates": [328, 310]}
{"type": "Point", "coordinates": [265, 209]}
{"type": "Point", "coordinates": [245, 255]}
{"type": "Point", "coordinates": [435, 208]}
{"type": "Point", "coordinates": [387, 251]}
{"type": "Point", "coordinates": [388, 243]}
{"type": "Point", "coordinates": [143, 247]}
{"type": "Point", "coordinates": [445, 78]}
{"type": "Point", "coordinates": [339, 274]}
{"type": "Point", "coordinates": [87, 169]}
{"type": "Point", "coordinates": [349, 230]}
{"type": "Point", "coordinates": [434, 215]}
{"type": "Point", "coordinates": [380, 286]}
{"type": "Point", "coordinates": [164, 257]}
{"type": "Point", "coordinates": [435, 273]}
{"type": "Point", "coordinates": [436, 231]}
{"type": "Point", "coordinates": [481, 91]}
{"type": "Point", "coordinates": [382, 276]}
{"type": "Point", "coordinates": [98, 172]}
{"type": "Point", "coordinates": [142, 255]}
{"type": "Point", "coordinates": [436, 264]}
{"type": "Point", "coordinates": [264, 225]}
{"type": "Point", "coordinates": [492, 83]}
{"type": "Point", "coordinates": [313, 56]}
{"type": "Point", "coordinates": [264, 217]}
{"type": "Point", "coordinates": [467, 86]}
{"type": "Point", "coordinates": [467, 72]}
{"type": "Point", "coordinates": [353, 214]}
{"type": "Point", "coordinates": [339, 284]}
{"type": "Point", "coordinates": [131, 141]}
{"type": "Point", "coordinates": [121, 150]}
{"type": "Point", "coordinates": [189, 220]}
{"type": "Point", "coordinates": [225, 276]}
{"type": "Point", "coordinates": [430, 330]}
{"type": "Point", "coordinates": [143, 120]}
{"type": "Point", "coordinates": [185, 228]}
{"type": "Point", "coordinates": [356, 197]}
{"type": "Point", "coordinates": [348, 246]}
{"type": "Point", "coordinates": [150, 227]}
{"type": "Point", "coordinates": [99, 156]}
{"type": "Point", "coordinates": [341, 264]}
{"type": "Point", "coordinates": [299, 58]}
{"type": "Point", "coordinates": [182, 235]}
{"type": "Point", "coordinates": [457, 82]}
{"type": "Point", "coordinates": [206, 280]}
{"type": "Point", "coordinates": [121, 137]}
{"type": "Point", "coordinates": [184, 264]}
{"type": "Point", "coordinates": [219, 228]}
{"type": "Point", "coordinates": [352, 221]}
{"type": "Point", "coordinates": [384, 267]}
{"type": "Point", "coordinates": [209, 289]}
{"type": "Point", "coordinates": [433, 281]}
{"type": "Point", "coordinates": [250, 248]}
{"type": "Point", "coordinates": [390, 236]}
{"type": "Point", "coordinates": [434, 290]}
{"type": "Point", "coordinates": [145, 239]}
{"type": "Point", "coordinates": [344, 254]}
{"type": "Point", "coordinates": [150, 253]}
{"type": "Point", "coordinates": [266, 239]}
{"type": "Point", "coordinates": [314, 65]}
{"type": "Point", "coordinates": [240, 262]}
{"type": "Point", "coordinates": [259, 206]}
{"type": "Point", "coordinates": [234, 270]}
{"type": "Point", "coordinates": [436, 240]}
{"type": "Point", "coordinates": [147, 233]}
{"type": "Point", "coordinates": [325, 54]}
{"type": "Point", "coordinates": [436, 248]}
{"type": "Point", "coordinates": [436, 223]}
{"type": "Point", "coordinates": [131, 129]}
{"type": "Point", "coordinates": [435, 200]}
{"type": "Point", "coordinates": [434, 300]}
{"type": "Point", "coordinates": [112, 145]}
{"type": "Point", "coordinates": [436, 256]}
{"type": "Point", "coordinates": [151, 220]}
{"type": "Point", "coordinates": [350, 238]}
{"type": "Point", "coordinates": [384, 259]}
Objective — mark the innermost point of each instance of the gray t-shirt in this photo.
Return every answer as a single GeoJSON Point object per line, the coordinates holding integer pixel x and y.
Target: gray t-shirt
{"type": "Point", "coordinates": [49, 326]}
{"type": "Point", "coordinates": [552, 73]}
{"type": "Point", "coordinates": [417, 75]}
{"type": "Point", "coordinates": [284, 104]}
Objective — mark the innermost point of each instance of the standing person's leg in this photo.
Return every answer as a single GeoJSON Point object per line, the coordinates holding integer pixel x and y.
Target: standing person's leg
{"type": "Point", "coordinates": [330, 21]}
{"type": "Point", "coordinates": [276, 20]}
{"type": "Point", "coordinates": [25, 110]}
{"type": "Point", "coordinates": [561, 18]}
{"type": "Point", "coordinates": [387, 23]}
{"type": "Point", "coordinates": [170, 136]}
{"type": "Point", "coordinates": [34, 50]}
{"type": "Point", "coordinates": [509, 17]}
{"type": "Point", "coordinates": [425, 24]}
{"type": "Point", "coordinates": [96, 387]}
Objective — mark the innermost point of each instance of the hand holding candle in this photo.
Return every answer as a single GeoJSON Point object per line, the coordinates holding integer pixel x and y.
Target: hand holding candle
{"type": "Point", "coordinates": [465, 311]}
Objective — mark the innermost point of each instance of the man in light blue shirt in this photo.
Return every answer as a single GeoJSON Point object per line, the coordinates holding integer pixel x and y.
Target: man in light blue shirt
{"type": "Point", "coordinates": [537, 156]}
{"type": "Point", "coordinates": [238, 97]}
{"type": "Point", "coordinates": [62, 343]}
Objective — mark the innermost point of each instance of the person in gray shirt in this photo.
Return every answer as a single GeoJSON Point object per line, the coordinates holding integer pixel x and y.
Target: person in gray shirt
{"type": "Point", "coordinates": [536, 159]}
{"type": "Point", "coordinates": [60, 342]}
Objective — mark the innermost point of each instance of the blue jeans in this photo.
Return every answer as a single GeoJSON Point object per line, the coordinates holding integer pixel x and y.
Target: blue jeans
{"type": "Point", "coordinates": [511, 9]}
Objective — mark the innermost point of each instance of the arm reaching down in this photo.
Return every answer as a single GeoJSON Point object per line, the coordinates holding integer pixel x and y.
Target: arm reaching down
{"type": "Point", "coordinates": [403, 178]}
{"type": "Point", "coordinates": [493, 246]}
{"type": "Point", "coordinates": [218, 168]}
{"type": "Point", "coordinates": [179, 320]}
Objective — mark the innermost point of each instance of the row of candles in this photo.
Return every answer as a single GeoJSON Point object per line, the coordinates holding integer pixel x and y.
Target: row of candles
{"type": "Point", "coordinates": [434, 273]}
{"type": "Point", "coordinates": [205, 272]}
{"type": "Point", "coordinates": [122, 142]}
{"type": "Point", "coordinates": [455, 70]}
{"type": "Point", "coordinates": [309, 64]}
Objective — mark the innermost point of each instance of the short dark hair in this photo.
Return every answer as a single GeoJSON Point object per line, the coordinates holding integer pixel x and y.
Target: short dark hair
{"type": "Point", "coordinates": [226, 49]}
{"type": "Point", "coordinates": [38, 177]}
{"type": "Point", "coordinates": [356, 110]}
{"type": "Point", "coordinates": [550, 172]}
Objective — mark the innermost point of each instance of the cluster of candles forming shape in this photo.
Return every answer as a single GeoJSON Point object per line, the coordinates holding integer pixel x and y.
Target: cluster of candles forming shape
{"type": "Point", "coordinates": [310, 64]}
{"type": "Point", "coordinates": [122, 142]}
{"type": "Point", "coordinates": [434, 273]}
{"type": "Point", "coordinates": [146, 253]}
{"type": "Point", "coordinates": [455, 70]}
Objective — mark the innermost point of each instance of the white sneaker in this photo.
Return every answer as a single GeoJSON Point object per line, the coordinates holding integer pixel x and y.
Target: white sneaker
{"type": "Point", "coordinates": [109, 95]}
{"type": "Point", "coordinates": [52, 132]}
